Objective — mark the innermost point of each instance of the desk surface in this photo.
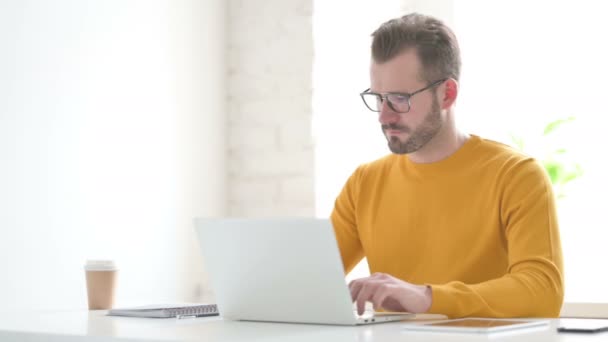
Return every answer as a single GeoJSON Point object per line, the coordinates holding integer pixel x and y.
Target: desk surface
{"type": "Point", "coordinates": [95, 326]}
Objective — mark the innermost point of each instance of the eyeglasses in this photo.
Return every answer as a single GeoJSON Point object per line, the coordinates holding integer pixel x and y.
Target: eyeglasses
{"type": "Point", "coordinates": [398, 102]}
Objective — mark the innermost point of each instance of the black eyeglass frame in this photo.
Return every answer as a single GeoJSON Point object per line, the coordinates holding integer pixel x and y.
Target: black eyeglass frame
{"type": "Point", "coordinates": [384, 97]}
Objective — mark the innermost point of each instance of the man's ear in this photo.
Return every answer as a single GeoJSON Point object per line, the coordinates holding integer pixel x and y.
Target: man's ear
{"type": "Point", "coordinates": [450, 94]}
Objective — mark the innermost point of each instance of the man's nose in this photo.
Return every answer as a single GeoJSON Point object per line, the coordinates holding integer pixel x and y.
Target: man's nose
{"type": "Point", "coordinates": [387, 115]}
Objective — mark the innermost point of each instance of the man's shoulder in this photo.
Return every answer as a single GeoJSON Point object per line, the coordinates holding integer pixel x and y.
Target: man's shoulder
{"type": "Point", "coordinates": [500, 151]}
{"type": "Point", "coordinates": [505, 158]}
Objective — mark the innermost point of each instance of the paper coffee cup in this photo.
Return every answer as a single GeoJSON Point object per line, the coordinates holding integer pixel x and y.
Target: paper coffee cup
{"type": "Point", "coordinates": [101, 283]}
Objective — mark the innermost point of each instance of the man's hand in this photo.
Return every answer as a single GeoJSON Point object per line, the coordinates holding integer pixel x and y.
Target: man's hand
{"type": "Point", "coordinates": [390, 293]}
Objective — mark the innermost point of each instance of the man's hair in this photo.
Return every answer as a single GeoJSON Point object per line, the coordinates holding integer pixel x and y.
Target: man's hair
{"type": "Point", "coordinates": [434, 43]}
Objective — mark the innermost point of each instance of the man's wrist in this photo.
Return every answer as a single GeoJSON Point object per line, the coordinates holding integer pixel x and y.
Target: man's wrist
{"type": "Point", "coordinates": [428, 298]}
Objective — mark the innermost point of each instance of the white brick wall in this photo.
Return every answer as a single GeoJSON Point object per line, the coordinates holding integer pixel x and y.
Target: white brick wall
{"type": "Point", "coordinates": [270, 149]}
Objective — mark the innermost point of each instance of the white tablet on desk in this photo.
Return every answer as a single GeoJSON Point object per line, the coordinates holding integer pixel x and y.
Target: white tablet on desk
{"type": "Point", "coordinates": [477, 325]}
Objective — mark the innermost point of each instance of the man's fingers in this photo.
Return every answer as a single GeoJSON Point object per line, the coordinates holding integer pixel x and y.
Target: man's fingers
{"type": "Point", "coordinates": [370, 289]}
{"type": "Point", "coordinates": [366, 293]}
{"type": "Point", "coordinates": [379, 296]}
{"type": "Point", "coordinates": [387, 292]}
{"type": "Point", "coordinates": [363, 296]}
{"type": "Point", "coordinates": [387, 298]}
{"type": "Point", "coordinates": [354, 287]}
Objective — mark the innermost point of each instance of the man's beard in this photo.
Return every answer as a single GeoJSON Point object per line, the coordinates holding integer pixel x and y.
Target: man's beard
{"type": "Point", "coordinates": [419, 137]}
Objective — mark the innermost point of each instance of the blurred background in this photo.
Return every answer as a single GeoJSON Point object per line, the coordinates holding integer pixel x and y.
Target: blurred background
{"type": "Point", "coordinates": [122, 120]}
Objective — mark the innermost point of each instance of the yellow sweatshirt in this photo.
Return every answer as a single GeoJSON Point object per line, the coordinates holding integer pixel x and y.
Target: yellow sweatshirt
{"type": "Point", "coordinates": [479, 227]}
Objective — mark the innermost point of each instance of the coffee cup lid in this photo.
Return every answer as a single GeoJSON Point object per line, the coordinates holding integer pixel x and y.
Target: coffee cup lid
{"type": "Point", "coordinates": [100, 265]}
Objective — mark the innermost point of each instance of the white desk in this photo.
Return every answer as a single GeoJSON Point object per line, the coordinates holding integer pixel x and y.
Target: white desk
{"type": "Point", "coordinates": [74, 326]}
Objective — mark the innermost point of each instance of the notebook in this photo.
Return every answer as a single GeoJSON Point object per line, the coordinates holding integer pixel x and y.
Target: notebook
{"type": "Point", "coordinates": [279, 270]}
{"type": "Point", "coordinates": [167, 311]}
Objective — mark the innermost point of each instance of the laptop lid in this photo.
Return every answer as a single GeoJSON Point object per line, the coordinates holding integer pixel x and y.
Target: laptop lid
{"type": "Point", "coordinates": [279, 270]}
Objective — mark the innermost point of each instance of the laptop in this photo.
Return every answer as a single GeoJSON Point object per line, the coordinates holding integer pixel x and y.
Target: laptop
{"type": "Point", "coordinates": [279, 270]}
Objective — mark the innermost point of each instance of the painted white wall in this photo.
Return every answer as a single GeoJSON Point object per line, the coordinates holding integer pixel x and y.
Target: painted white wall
{"type": "Point", "coordinates": [270, 145]}
{"type": "Point", "coordinates": [111, 139]}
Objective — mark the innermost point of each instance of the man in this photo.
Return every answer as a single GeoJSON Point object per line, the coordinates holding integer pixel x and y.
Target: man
{"type": "Point", "coordinates": [450, 223]}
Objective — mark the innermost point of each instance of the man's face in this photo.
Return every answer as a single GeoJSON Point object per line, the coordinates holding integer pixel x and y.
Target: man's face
{"type": "Point", "coordinates": [406, 132]}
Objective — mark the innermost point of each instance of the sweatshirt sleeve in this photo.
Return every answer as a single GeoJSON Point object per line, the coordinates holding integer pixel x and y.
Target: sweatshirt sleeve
{"type": "Point", "coordinates": [534, 284]}
{"type": "Point", "coordinates": [344, 221]}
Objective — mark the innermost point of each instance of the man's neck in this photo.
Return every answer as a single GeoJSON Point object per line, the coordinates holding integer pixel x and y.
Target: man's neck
{"type": "Point", "coordinates": [447, 141]}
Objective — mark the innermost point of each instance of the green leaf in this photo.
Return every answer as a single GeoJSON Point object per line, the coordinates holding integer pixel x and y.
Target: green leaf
{"type": "Point", "coordinates": [552, 126]}
{"type": "Point", "coordinates": [553, 169]}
